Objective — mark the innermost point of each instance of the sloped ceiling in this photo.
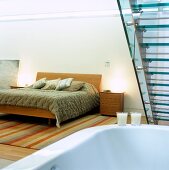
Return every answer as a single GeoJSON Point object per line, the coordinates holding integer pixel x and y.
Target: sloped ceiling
{"type": "Point", "coordinates": [19, 7]}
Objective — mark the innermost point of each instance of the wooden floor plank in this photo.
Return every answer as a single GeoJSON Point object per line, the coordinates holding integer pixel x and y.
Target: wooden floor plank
{"type": "Point", "coordinates": [14, 153]}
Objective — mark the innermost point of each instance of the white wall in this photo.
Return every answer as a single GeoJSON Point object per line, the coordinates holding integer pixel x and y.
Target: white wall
{"type": "Point", "coordinates": [79, 45]}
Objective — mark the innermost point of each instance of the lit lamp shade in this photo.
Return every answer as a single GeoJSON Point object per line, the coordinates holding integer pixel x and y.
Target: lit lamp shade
{"type": "Point", "coordinates": [24, 80]}
{"type": "Point", "coordinates": [118, 85]}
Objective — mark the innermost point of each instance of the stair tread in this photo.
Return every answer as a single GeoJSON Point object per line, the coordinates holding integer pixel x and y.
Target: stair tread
{"type": "Point", "coordinates": [153, 44]}
{"type": "Point", "coordinates": [155, 59]}
{"type": "Point", "coordinates": [160, 112]}
{"type": "Point", "coordinates": [157, 84]}
{"type": "Point", "coordinates": [138, 6]}
{"type": "Point", "coordinates": [159, 94]}
{"type": "Point", "coordinates": [153, 26]}
{"type": "Point", "coordinates": [157, 72]}
{"type": "Point", "coordinates": [160, 104]}
{"type": "Point", "coordinates": [162, 118]}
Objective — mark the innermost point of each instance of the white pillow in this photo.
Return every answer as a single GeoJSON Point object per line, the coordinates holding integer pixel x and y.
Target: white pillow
{"type": "Point", "coordinates": [64, 83]}
{"type": "Point", "coordinates": [51, 84]}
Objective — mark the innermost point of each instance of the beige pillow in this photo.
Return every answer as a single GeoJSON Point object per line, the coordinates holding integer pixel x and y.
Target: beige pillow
{"type": "Point", "coordinates": [64, 83]}
{"type": "Point", "coordinates": [51, 84]}
{"type": "Point", "coordinates": [39, 84]}
{"type": "Point", "coordinates": [75, 86]}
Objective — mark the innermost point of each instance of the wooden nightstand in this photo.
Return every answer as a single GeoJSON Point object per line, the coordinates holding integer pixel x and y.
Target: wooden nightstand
{"type": "Point", "coordinates": [110, 103]}
{"type": "Point", "coordinates": [16, 87]}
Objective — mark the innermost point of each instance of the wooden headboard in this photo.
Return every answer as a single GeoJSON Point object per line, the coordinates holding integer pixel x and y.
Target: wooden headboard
{"type": "Point", "coordinates": [94, 79]}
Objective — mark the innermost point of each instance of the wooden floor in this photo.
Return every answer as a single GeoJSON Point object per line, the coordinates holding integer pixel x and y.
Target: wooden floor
{"type": "Point", "coordinates": [15, 153]}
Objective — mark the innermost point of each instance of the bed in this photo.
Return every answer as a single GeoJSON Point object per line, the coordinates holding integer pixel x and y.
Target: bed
{"type": "Point", "coordinates": [73, 107]}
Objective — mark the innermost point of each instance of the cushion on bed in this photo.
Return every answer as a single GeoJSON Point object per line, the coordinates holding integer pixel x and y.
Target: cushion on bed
{"type": "Point", "coordinates": [39, 84]}
{"type": "Point", "coordinates": [75, 86]}
{"type": "Point", "coordinates": [51, 84]}
{"type": "Point", "coordinates": [64, 83]}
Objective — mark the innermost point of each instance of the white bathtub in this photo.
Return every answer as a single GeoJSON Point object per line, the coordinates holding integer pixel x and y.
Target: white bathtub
{"type": "Point", "coordinates": [144, 147]}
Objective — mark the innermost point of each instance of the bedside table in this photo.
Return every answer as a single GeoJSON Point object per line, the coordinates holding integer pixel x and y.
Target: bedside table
{"type": "Point", "coordinates": [110, 103]}
{"type": "Point", "coordinates": [16, 87]}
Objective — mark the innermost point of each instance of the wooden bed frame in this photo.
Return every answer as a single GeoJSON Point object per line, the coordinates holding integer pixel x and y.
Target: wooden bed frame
{"type": "Point", "coordinates": [94, 79]}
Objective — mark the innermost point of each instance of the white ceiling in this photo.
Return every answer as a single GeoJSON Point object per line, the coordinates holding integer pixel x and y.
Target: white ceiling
{"type": "Point", "coordinates": [20, 7]}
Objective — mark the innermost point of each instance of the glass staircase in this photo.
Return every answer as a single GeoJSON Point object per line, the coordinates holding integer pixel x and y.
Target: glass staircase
{"type": "Point", "coordinates": [146, 26]}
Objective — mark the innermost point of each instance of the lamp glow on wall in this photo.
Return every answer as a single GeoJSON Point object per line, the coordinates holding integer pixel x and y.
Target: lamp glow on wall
{"type": "Point", "coordinates": [25, 75]}
{"type": "Point", "coordinates": [24, 79]}
{"type": "Point", "coordinates": [118, 83]}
